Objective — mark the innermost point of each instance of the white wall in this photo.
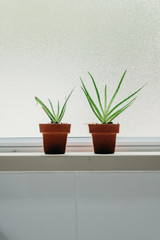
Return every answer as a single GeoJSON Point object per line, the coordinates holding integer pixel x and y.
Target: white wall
{"type": "Point", "coordinates": [80, 206]}
{"type": "Point", "coordinates": [46, 45]}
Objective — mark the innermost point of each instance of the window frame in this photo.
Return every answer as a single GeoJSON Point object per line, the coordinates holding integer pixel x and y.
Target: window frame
{"type": "Point", "coordinates": [80, 144]}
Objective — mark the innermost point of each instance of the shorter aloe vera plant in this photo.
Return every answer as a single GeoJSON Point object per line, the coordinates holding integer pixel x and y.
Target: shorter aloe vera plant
{"type": "Point", "coordinates": [55, 117]}
{"type": "Point", "coordinates": [105, 113]}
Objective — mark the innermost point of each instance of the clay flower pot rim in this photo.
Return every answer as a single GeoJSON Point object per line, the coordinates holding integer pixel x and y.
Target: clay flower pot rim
{"type": "Point", "coordinates": [55, 123]}
{"type": "Point", "coordinates": [103, 124]}
{"type": "Point", "coordinates": [54, 127]}
{"type": "Point", "coordinates": [104, 128]}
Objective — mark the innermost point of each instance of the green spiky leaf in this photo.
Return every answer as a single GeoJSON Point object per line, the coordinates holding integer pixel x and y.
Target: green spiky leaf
{"type": "Point", "coordinates": [58, 109]}
{"type": "Point", "coordinates": [47, 111]}
{"type": "Point", "coordinates": [117, 89]}
{"type": "Point", "coordinates": [97, 92]}
{"type": "Point", "coordinates": [55, 118]}
{"type": "Point", "coordinates": [64, 107]}
{"type": "Point", "coordinates": [114, 115]}
{"type": "Point", "coordinates": [105, 98]}
{"type": "Point", "coordinates": [52, 107]}
{"type": "Point", "coordinates": [92, 107]}
{"type": "Point", "coordinates": [126, 99]}
{"type": "Point", "coordinates": [107, 116]}
{"type": "Point", "coordinates": [91, 100]}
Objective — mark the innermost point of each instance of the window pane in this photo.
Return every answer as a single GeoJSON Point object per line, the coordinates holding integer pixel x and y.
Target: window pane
{"type": "Point", "coordinates": [46, 45]}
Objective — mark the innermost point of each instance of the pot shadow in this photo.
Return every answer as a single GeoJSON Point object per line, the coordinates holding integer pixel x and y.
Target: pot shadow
{"type": "Point", "coordinates": [2, 237]}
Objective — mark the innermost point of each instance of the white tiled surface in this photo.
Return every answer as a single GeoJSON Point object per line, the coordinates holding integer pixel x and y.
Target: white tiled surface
{"type": "Point", "coordinates": [37, 206]}
{"type": "Point", "coordinates": [119, 206]}
{"type": "Point", "coordinates": [80, 206]}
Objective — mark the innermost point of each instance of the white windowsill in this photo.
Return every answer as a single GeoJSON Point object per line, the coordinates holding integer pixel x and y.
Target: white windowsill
{"type": "Point", "coordinates": [120, 161]}
{"type": "Point", "coordinates": [132, 154]}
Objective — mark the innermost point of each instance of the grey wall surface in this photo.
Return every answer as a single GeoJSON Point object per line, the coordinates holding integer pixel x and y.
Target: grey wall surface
{"type": "Point", "coordinates": [80, 206]}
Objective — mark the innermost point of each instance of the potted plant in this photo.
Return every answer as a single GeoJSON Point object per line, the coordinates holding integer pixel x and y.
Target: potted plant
{"type": "Point", "coordinates": [54, 133]}
{"type": "Point", "coordinates": [104, 134]}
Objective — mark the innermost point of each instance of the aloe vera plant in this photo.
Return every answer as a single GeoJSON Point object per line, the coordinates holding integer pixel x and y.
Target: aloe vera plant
{"type": "Point", "coordinates": [54, 116]}
{"type": "Point", "coordinates": [105, 113]}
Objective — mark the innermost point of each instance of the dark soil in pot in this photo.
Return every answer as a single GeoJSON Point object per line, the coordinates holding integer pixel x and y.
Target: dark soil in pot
{"type": "Point", "coordinates": [54, 137]}
{"type": "Point", "coordinates": [104, 137]}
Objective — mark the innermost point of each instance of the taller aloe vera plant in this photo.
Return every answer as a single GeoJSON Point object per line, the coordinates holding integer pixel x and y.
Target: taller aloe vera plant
{"type": "Point", "coordinates": [105, 113]}
{"type": "Point", "coordinates": [54, 116]}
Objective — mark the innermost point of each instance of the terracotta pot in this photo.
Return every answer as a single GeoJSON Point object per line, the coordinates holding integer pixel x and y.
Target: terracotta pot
{"type": "Point", "coordinates": [54, 137]}
{"type": "Point", "coordinates": [104, 137]}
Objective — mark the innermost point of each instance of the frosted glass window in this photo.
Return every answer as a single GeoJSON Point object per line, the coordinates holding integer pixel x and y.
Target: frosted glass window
{"type": "Point", "coordinates": [46, 45]}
